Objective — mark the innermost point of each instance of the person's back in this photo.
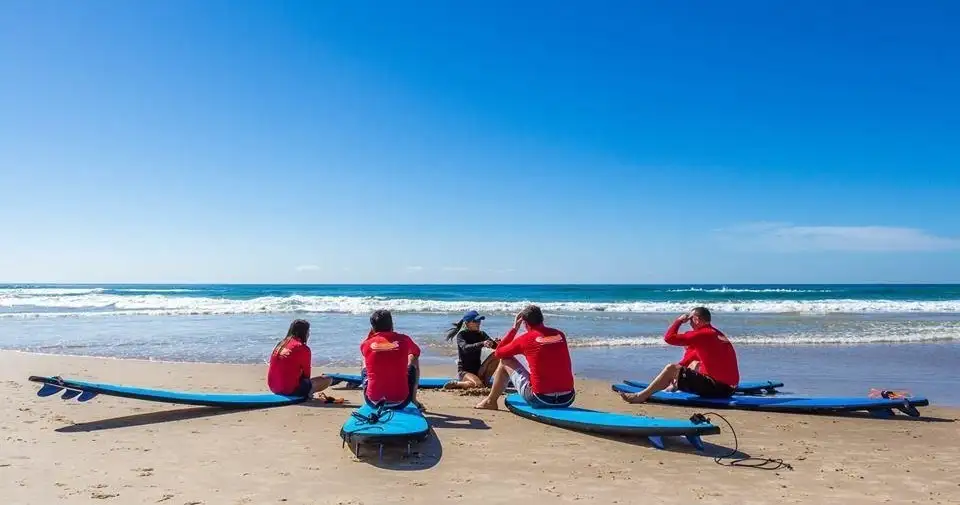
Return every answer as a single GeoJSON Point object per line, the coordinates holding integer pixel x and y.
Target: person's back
{"type": "Point", "coordinates": [289, 370]}
{"type": "Point", "coordinates": [548, 355]}
{"type": "Point", "coordinates": [549, 382]}
{"type": "Point", "coordinates": [391, 362]}
{"type": "Point", "coordinates": [386, 356]}
{"type": "Point", "coordinates": [715, 352]}
{"type": "Point", "coordinates": [717, 374]}
{"type": "Point", "coordinates": [289, 364]}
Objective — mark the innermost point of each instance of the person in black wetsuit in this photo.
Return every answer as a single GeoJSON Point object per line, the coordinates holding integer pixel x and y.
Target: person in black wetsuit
{"type": "Point", "coordinates": [470, 342]}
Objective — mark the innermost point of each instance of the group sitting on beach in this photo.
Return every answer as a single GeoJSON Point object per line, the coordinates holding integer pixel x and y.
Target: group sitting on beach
{"type": "Point", "coordinates": [391, 363]}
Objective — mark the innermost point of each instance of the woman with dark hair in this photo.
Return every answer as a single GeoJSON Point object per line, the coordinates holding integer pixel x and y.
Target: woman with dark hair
{"type": "Point", "coordinates": [470, 344]}
{"type": "Point", "coordinates": [289, 370]}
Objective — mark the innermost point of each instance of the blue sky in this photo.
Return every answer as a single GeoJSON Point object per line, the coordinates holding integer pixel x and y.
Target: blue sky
{"type": "Point", "coordinates": [479, 142]}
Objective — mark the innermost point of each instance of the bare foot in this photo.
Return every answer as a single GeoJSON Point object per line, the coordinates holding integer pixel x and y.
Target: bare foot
{"type": "Point", "coordinates": [452, 385]}
{"type": "Point", "coordinates": [632, 397]}
{"type": "Point", "coordinates": [486, 404]}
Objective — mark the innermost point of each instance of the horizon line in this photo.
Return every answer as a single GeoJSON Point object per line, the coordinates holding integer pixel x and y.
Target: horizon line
{"type": "Point", "coordinates": [140, 283]}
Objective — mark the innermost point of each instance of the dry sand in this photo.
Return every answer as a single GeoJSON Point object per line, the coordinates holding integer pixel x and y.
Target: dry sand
{"type": "Point", "coordinates": [115, 450]}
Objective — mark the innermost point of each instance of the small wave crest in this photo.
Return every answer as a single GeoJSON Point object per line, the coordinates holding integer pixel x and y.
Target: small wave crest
{"type": "Point", "coordinates": [31, 292]}
{"type": "Point", "coordinates": [747, 290]}
{"type": "Point", "coordinates": [914, 336]}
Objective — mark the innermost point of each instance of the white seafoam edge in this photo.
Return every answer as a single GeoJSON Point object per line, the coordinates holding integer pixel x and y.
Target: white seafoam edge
{"type": "Point", "coordinates": [37, 303]}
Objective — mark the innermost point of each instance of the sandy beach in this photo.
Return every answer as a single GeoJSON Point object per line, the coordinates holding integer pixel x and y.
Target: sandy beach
{"type": "Point", "coordinates": [127, 451]}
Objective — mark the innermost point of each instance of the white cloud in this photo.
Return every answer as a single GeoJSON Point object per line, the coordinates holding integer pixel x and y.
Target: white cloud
{"type": "Point", "coordinates": [455, 269]}
{"type": "Point", "coordinates": [308, 268]}
{"type": "Point", "coordinates": [415, 269]}
{"type": "Point", "coordinates": [502, 270]}
{"type": "Point", "coordinates": [788, 237]}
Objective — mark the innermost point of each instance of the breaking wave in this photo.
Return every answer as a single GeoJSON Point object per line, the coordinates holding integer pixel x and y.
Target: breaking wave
{"type": "Point", "coordinates": [96, 302]}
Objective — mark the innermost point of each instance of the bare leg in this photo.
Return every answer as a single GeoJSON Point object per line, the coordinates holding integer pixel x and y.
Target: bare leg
{"type": "Point", "coordinates": [318, 384]}
{"type": "Point", "coordinates": [668, 375]}
{"type": "Point", "coordinates": [692, 366]}
{"type": "Point", "coordinates": [500, 379]}
{"type": "Point", "coordinates": [473, 380]}
{"type": "Point", "coordinates": [469, 381]}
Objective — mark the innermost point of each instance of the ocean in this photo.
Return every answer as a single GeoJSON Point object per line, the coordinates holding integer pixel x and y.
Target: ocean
{"type": "Point", "coordinates": [818, 339]}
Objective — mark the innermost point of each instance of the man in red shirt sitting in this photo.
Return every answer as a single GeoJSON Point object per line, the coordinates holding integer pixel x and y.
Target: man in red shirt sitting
{"type": "Point", "coordinates": [717, 374]}
{"type": "Point", "coordinates": [549, 383]}
{"type": "Point", "coordinates": [392, 362]}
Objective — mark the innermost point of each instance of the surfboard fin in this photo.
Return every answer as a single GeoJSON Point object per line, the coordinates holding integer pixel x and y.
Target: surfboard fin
{"type": "Point", "coordinates": [70, 393]}
{"type": "Point", "coordinates": [657, 441]}
{"type": "Point", "coordinates": [696, 442]}
{"type": "Point", "coordinates": [49, 390]}
{"type": "Point", "coordinates": [86, 396]}
{"type": "Point", "coordinates": [909, 409]}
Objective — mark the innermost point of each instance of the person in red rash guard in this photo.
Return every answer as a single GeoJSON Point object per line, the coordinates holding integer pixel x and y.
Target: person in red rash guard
{"type": "Point", "coordinates": [549, 382]}
{"type": "Point", "coordinates": [718, 374]}
{"type": "Point", "coordinates": [392, 363]}
{"type": "Point", "coordinates": [289, 370]}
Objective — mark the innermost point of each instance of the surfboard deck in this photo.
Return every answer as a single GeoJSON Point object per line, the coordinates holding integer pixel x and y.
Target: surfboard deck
{"type": "Point", "coordinates": [608, 423]}
{"type": "Point", "coordinates": [355, 380]}
{"type": "Point", "coordinates": [786, 403]}
{"type": "Point", "coordinates": [368, 425]}
{"type": "Point", "coordinates": [745, 387]}
{"type": "Point", "coordinates": [85, 391]}
{"type": "Point", "coordinates": [424, 383]}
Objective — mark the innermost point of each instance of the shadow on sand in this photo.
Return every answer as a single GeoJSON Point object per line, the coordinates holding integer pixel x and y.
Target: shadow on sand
{"type": "Point", "coordinates": [166, 416]}
{"type": "Point", "coordinates": [423, 455]}
{"type": "Point", "coordinates": [447, 421]}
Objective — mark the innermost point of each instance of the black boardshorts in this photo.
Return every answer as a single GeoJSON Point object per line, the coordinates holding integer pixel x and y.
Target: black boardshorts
{"type": "Point", "coordinates": [691, 381]}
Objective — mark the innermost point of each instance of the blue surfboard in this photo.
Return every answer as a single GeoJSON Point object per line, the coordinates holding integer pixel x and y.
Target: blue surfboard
{"type": "Point", "coordinates": [84, 391]}
{"type": "Point", "coordinates": [423, 383]}
{"type": "Point", "coordinates": [355, 380]}
{"type": "Point", "coordinates": [370, 425]}
{"type": "Point", "coordinates": [786, 403]}
{"type": "Point", "coordinates": [746, 387]}
{"type": "Point", "coordinates": [607, 423]}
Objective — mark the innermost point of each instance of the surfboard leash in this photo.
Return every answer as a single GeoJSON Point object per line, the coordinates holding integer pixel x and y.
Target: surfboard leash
{"type": "Point", "coordinates": [748, 462]}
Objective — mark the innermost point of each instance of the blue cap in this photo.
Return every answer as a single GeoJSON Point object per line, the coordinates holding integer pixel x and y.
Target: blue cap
{"type": "Point", "coordinates": [472, 316]}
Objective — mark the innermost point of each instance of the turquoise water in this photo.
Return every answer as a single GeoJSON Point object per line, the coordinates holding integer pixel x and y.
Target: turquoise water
{"type": "Point", "coordinates": [842, 339]}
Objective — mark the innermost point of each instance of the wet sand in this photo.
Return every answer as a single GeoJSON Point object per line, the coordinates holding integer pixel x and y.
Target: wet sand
{"type": "Point", "coordinates": [115, 450]}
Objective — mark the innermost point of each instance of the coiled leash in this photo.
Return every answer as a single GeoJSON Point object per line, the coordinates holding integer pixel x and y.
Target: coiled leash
{"type": "Point", "coordinates": [749, 462]}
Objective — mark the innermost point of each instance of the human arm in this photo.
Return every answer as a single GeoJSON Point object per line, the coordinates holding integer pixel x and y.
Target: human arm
{"type": "Point", "coordinates": [412, 348]}
{"type": "Point", "coordinates": [509, 346]}
{"type": "Point", "coordinates": [690, 338]}
{"type": "Point", "coordinates": [689, 356]}
{"type": "Point", "coordinates": [465, 346]}
{"type": "Point", "coordinates": [303, 357]}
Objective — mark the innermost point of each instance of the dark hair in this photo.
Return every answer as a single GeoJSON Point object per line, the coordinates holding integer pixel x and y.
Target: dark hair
{"type": "Point", "coordinates": [703, 313]}
{"type": "Point", "coordinates": [381, 320]}
{"type": "Point", "coordinates": [452, 332]}
{"type": "Point", "coordinates": [299, 330]}
{"type": "Point", "coordinates": [532, 315]}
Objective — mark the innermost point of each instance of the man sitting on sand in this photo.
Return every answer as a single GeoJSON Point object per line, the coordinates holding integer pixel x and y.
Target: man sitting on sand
{"type": "Point", "coordinates": [549, 383]}
{"type": "Point", "coordinates": [392, 362]}
{"type": "Point", "coordinates": [718, 373]}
